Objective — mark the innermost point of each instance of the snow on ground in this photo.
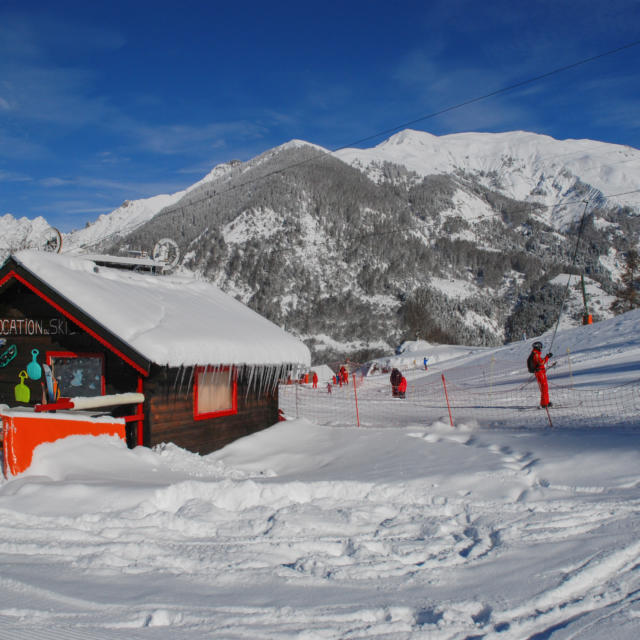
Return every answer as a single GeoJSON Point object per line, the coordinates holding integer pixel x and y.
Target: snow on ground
{"type": "Point", "coordinates": [315, 532]}
{"type": "Point", "coordinates": [258, 224]}
{"type": "Point", "coordinates": [454, 288]}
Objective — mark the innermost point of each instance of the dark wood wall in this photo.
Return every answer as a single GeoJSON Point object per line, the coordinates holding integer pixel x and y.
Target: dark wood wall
{"type": "Point", "coordinates": [169, 393]}
{"type": "Point", "coordinates": [169, 411]}
{"type": "Point", "coordinates": [50, 331]}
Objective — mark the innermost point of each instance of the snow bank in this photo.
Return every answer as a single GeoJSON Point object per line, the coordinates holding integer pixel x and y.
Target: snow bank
{"type": "Point", "coordinates": [302, 531]}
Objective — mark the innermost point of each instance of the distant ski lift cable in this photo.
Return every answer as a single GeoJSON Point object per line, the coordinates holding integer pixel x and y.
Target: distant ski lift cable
{"type": "Point", "coordinates": [573, 262]}
{"type": "Point", "coordinates": [420, 119]}
{"type": "Point", "coordinates": [404, 126]}
{"type": "Point", "coordinates": [491, 94]}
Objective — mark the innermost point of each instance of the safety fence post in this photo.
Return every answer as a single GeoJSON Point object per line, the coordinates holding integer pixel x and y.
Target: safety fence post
{"type": "Point", "coordinates": [493, 361]}
{"type": "Point", "coordinates": [446, 395]}
{"type": "Point", "coordinates": [570, 371]}
{"type": "Point", "coordinates": [296, 386]}
{"type": "Point", "coordinates": [355, 393]}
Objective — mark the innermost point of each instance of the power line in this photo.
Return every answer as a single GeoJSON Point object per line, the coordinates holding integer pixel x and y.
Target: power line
{"type": "Point", "coordinates": [325, 154]}
{"type": "Point", "coordinates": [491, 94]}
{"type": "Point", "coordinates": [573, 264]}
{"type": "Point", "coordinates": [434, 114]}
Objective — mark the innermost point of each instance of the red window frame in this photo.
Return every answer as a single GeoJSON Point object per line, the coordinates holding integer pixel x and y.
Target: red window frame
{"type": "Point", "coordinates": [77, 354]}
{"type": "Point", "coordinates": [215, 414]}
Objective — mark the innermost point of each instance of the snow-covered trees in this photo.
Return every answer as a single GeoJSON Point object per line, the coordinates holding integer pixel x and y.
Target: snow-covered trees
{"type": "Point", "coordinates": [629, 291]}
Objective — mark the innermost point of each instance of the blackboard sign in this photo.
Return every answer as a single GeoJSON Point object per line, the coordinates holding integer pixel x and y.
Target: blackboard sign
{"type": "Point", "coordinates": [81, 375]}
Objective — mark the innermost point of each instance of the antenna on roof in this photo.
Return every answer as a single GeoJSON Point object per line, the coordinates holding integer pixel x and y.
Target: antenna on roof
{"type": "Point", "coordinates": [50, 240]}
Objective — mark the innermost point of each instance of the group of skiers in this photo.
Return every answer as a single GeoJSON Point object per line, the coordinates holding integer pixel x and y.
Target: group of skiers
{"type": "Point", "coordinates": [398, 384]}
{"type": "Point", "coordinates": [340, 378]}
{"type": "Point", "coordinates": [536, 364]}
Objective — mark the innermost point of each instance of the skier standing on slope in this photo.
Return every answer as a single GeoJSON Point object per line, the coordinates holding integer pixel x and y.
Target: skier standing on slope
{"type": "Point", "coordinates": [402, 387]}
{"type": "Point", "coordinates": [395, 379]}
{"type": "Point", "coordinates": [539, 369]}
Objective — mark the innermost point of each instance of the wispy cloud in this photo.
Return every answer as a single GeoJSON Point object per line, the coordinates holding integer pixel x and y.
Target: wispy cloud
{"type": "Point", "coordinates": [491, 46]}
{"type": "Point", "coordinates": [17, 147]}
{"type": "Point", "coordinates": [13, 176]}
{"type": "Point", "coordinates": [56, 182]}
{"type": "Point", "coordinates": [181, 138]}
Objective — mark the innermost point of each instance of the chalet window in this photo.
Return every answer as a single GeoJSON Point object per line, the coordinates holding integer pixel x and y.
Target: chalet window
{"type": "Point", "coordinates": [78, 374]}
{"type": "Point", "coordinates": [215, 393]}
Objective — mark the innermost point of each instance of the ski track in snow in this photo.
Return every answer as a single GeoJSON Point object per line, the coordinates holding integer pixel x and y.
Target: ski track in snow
{"type": "Point", "coordinates": [397, 530]}
{"type": "Point", "coordinates": [406, 538]}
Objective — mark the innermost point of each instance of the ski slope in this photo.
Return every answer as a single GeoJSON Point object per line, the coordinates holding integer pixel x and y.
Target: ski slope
{"type": "Point", "coordinates": [412, 531]}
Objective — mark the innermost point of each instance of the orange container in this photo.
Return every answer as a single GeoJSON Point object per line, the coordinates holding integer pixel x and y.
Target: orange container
{"type": "Point", "coordinates": [23, 430]}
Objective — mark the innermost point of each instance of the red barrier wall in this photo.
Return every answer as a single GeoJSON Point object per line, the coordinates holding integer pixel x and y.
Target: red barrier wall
{"type": "Point", "coordinates": [22, 432]}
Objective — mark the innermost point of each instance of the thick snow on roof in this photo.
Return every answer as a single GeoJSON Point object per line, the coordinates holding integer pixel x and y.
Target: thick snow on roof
{"type": "Point", "coordinates": [171, 320]}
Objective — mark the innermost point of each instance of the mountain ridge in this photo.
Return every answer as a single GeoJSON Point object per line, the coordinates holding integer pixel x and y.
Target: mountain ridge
{"type": "Point", "coordinates": [325, 243]}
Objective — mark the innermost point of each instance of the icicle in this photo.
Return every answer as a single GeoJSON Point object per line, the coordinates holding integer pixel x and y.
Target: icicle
{"type": "Point", "coordinates": [175, 384]}
{"type": "Point", "coordinates": [277, 374]}
{"type": "Point", "coordinates": [273, 376]}
{"type": "Point", "coordinates": [260, 381]}
{"type": "Point", "coordinates": [256, 378]}
{"type": "Point", "coordinates": [251, 375]}
{"type": "Point", "coordinates": [183, 370]}
{"type": "Point", "coordinates": [193, 368]}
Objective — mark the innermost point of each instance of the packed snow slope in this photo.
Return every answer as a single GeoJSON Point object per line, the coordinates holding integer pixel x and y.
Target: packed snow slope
{"type": "Point", "coordinates": [304, 531]}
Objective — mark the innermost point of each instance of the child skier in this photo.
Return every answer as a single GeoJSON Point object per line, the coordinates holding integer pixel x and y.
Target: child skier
{"type": "Point", "coordinates": [402, 387]}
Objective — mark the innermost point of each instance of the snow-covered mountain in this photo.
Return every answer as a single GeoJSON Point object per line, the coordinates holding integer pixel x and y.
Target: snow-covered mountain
{"type": "Point", "coordinates": [458, 238]}
{"type": "Point", "coordinates": [521, 165]}
{"type": "Point", "coordinates": [20, 233]}
{"type": "Point", "coordinates": [134, 213]}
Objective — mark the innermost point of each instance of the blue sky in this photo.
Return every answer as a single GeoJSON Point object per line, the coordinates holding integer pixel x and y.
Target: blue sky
{"type": "Point", "coordinates": [106, 101]}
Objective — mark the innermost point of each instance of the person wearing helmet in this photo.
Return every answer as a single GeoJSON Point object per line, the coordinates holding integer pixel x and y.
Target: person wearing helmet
{"type": "Point", "coordinates": [540, 371]}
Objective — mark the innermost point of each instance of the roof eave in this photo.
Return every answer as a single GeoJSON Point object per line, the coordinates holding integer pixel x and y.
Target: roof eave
{"type": "Point", "coordinates": [13, 270]}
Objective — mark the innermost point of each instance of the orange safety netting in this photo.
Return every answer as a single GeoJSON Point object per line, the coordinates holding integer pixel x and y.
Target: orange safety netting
{"type": "Point", "coordinates": [500, 404]}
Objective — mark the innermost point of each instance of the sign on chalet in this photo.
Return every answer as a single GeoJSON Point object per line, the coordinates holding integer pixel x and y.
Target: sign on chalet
{"type": "Point", "coordinates": [206, 365]}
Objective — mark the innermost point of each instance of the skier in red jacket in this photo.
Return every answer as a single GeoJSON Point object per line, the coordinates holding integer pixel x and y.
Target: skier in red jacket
{"type": "Point", "coordinates": [402, 387]}
{"type": "Point", "coordinates": [541, 373]}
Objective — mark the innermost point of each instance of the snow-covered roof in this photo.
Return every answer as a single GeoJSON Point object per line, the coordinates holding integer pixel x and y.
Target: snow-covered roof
{"type": "Point", "coordinates": [170, 320]}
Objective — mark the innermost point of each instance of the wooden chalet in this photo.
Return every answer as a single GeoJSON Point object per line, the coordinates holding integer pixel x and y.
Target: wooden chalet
{"type": "Point", "coordinates": [206, 364]}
